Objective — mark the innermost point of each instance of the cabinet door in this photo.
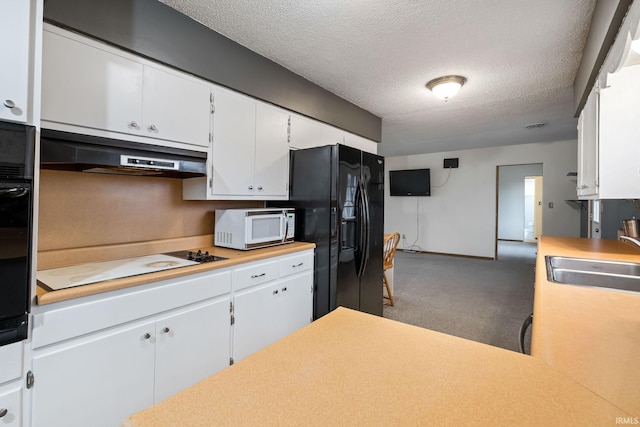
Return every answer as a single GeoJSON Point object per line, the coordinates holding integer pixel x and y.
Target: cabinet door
{"type": "Point", "coordinates": [97, 381]}
{"type": "Point", "coordinates": [295, 304]}
{"type": "Point", "coordinates": [588, 147]}
{"type": "Point", "coordinates": [619, 127]}
{"type": "Point", "coordinates": [234, 125]}
{"type": "Point", "coordinates": [272, 152]}
{"type": "Point", "coordinates": [364, 144]}
{"type": "Point", "coordinates": [330, 135]}
{"type": "Point", "coordinates": [191, 345]}
{"type": "Point", "coordinates": [255, 325]}
{"type": "Point", "coordinates": [14, 72]}
{"type": "Point", "coordinates": [86, 86]}
{"type": "Point", "coordinates": [11, 402]}
{"type": "Point", "coordinates": [304, 133]}
{"type": "Point", "coordinates": [175, 108]}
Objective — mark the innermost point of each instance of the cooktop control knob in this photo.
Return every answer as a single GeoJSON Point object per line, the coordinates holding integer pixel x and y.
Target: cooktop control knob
{"type": "Point", "coordinates": [190, 255]}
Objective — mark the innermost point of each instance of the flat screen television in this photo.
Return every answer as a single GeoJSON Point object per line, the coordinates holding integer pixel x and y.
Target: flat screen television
{"type": "Point", "coordinates": [410, 182]}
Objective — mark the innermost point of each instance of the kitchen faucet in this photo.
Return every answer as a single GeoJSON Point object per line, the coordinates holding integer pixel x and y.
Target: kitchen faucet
{"type": "Point", "coordinates": [631, 240]}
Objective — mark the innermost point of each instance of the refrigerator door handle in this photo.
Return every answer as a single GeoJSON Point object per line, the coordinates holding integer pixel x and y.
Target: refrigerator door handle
{"type": "Point", "coordinates": [359, 228]}
{"type": "Point", "coordinates": [367, 229]}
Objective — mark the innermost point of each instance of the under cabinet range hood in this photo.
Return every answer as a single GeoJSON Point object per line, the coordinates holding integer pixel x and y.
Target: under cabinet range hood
{"type": "Point", "coordinates": [84, 153]}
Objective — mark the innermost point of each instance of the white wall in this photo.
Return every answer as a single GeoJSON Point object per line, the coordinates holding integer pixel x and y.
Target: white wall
{"type": "Point", "coordinates": [460, 217]}
{"type": "Point", "coordinates": [511, 199]}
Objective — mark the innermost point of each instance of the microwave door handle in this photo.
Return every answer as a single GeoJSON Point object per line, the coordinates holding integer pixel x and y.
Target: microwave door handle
{"type": "Point", "coordinates": [285, 226]}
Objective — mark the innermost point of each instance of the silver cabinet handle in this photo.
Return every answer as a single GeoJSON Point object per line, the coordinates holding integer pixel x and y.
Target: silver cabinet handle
{"type": "Point", "coordinates": [260, 187]}
{"type": "Point", "coordinates": [255, 276]}
{"type": "Point", "coordinates": [9, 103]}
{"type": "Point", "coordinates": [147, 336]}
{"type": "Point", "coordinates": [275, 292]}
{"type": "Point", "coordinates": [3, 412]}
{"type": "Point", "coordinates": [251, 187]}
{"type": "Point", "coordinates": [298, 265]}
{"type": "Point", "coordinates": [153, 128]}
{"type": "Point", "coordinates": [134, 125]}
{"type": "Point", "coordinates": [284, 289]}
{"type": "Point", "coordinates": [166, 330]}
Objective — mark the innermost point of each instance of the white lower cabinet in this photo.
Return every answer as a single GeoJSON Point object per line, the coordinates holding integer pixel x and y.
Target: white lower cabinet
{"type": "Point", "coordinates": [190, 346]}
{"type": "Point", "coordinates": [11, 406]}
{"type": "Point", "coordinates": [101, 379]}
{"type": "Point", "coordinates": [97, 381]}
{"type": "Point", "coordinates": [99, 359]}
{"type": "Point", "coordinates": [269, 311]}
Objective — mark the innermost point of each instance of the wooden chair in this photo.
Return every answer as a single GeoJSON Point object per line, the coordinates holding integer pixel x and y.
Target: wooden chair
{"type": "Point", "coordinates": [390, 244]}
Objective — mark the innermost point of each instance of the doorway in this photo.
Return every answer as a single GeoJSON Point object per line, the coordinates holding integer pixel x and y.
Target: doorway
{"type": "Point", "coordinates": [532, 208]}
{"type": "Point", "coordinates": [518, 207]}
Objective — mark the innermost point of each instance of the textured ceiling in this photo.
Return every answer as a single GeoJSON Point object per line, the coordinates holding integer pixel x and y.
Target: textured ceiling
{"type": "Point", "coordinates": [520, 58]}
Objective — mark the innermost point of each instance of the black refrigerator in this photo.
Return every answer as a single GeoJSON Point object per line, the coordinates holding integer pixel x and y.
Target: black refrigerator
{"type": "Point", "coordinates": [338, 194]}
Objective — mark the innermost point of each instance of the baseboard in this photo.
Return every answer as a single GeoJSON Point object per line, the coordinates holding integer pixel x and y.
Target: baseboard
{"type": "Point", "coordinates": [446, 254]}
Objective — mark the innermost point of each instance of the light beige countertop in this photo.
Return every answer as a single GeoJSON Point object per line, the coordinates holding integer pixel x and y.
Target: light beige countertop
{"type": "Point", "coordinates": [351, 368]}
{"type": "Point", "coordinates": [590, 334]}
{"type": "Point", "coordinates": [52, 259]}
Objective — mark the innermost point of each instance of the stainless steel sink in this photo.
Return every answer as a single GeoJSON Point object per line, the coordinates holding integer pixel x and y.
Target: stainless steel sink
{"type": "Point", "coordinates": [590, 272]}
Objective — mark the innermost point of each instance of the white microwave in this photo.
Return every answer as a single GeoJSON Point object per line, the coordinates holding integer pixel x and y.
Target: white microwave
{"type": "Point", "coordinates": [254, 228]}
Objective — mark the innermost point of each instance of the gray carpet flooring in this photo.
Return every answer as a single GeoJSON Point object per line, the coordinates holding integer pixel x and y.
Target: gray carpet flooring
{"type": "Point", "coordinates": [481, 300]}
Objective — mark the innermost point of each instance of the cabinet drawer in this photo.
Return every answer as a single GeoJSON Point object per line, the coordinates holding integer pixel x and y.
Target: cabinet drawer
{"type": "Point", "coordinates": [255, 275]}
{"type": "Point", "coordinates": [82, 318]}
{"type": "Point", "coordinates": [296, 264]}
{"type": "Point", "coordinates": [11, 402]}
{"type": "Point", "coordinates": [11, 365]}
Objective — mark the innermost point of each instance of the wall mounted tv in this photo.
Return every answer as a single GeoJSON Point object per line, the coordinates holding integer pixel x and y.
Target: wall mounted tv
{"type": "Point", "coordinates": [410, 182]}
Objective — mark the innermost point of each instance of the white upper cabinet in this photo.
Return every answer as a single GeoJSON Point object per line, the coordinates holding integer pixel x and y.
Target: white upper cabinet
{"type": "Point", "coordinates": [15, 48]}
{"type": "Point", "coordinates": [588, 148]}
{"type": "Point", "coordinates": [175, 108]}
{"type": "Point", "coordinates": [304, 132]}
{"type": "Point", "coordinates": [271, 176]}
{"type": "Point", "coordinates": [330, 135]}
{"type": "Point", "coordinates": [307, 133]}
{"type": "Point", "coordinates": [232, 150]}
{"type": "Point", "coordinates": [92, 88]}
{"type": "Point", "coordinates": [618, 128]}
{"type": "Point", "coordinates": [249, 154]}
{"type": "Point", "coordinates": [86, 86]}
{"type": "Point", "coordinates": [609, 124]}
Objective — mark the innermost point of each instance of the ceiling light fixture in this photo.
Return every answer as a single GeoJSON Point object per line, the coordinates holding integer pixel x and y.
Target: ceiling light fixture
{"type": "Point", "coordinates": [446, 87]}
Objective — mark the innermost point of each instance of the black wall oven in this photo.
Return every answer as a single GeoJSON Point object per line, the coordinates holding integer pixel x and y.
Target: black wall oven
{"type": "Point", "coordinates": [17, 145]}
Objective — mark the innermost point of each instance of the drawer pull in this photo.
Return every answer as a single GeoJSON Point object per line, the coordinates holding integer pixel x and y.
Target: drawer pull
{"type": "Point", "coordinates": [147, 336]}
{"type": "Point", "coordinates": [275, 292]}
{"type": "Point", "coordinates": [284, 289]}
{"type": "Point", "coordinates": [255, 276]}
{"type": "Point", "coordinates": [3, 412]}
{"type": "Point", "coordinates": [299, 265]}
{"type": "Point", "coordinates": [166, 330]}
{"type": "Point", "coordinates": [9, 104]}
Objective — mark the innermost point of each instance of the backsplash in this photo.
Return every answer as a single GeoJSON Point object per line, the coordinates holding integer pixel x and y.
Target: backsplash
{"type": "Point", "coordinates": [82, 210]}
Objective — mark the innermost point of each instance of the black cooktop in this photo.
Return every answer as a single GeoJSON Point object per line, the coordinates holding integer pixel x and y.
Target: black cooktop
{"type": "Point", "coordinates": [198, 256]}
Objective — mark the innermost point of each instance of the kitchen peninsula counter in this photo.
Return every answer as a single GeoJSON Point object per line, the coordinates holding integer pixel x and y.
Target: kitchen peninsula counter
{"type": "Point", "coordinates": [589, 334]}
{"type": "Point", "coordinates": [351, 368]}
{"type": "Point", "coordinates": [54, 259]}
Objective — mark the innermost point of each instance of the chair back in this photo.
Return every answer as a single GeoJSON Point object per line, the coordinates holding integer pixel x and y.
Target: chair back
{"type": "Point", "coordinates": [390, 244]}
